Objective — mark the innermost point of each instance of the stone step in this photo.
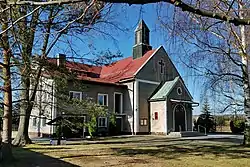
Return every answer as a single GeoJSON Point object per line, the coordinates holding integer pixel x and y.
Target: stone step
{"type": "Point", "coordinates": [174, 134]}
{"type": "Point", "coordinates": [185, 134]}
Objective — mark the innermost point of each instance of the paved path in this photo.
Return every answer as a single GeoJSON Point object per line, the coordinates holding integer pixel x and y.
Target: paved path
{"type": "Point", "coordinates": [237, 139]}
{"type": "Point", "coordinates": [217, 136]}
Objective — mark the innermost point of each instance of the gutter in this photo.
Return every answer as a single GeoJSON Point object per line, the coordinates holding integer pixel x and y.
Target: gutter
{"type": "Point", "coordinates": [133, 107]}
{"type": "Point", "coordinates": [159, 99]}
{"type": "Point", "coordinates": [127, 79]}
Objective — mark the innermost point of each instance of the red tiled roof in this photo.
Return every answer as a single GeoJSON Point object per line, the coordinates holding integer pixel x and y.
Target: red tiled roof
{"type": "Point", "coordinates": [83, 67]}
{"type": "Point", "coordinates": [79, 66]}
{"type": "Point", "coordinates": [124, 69]}
{"type": "Point", "coordinates": [110, 74]}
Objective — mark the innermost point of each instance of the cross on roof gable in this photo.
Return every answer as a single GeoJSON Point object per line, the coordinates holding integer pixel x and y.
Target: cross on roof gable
{"type": "Point", "coordinates": [162, 65]}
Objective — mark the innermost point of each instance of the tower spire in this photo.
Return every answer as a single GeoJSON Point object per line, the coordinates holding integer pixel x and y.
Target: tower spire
{"type": "Point", "coordinates": [141, 40]}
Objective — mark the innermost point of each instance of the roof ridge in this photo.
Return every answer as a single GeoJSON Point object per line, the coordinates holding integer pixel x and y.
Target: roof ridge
{"type": "Point", "coordinates": [124, 68]}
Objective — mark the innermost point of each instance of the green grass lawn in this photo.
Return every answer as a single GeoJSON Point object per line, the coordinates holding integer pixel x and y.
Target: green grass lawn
{"type": "Point", "coordinates": [135, 151]}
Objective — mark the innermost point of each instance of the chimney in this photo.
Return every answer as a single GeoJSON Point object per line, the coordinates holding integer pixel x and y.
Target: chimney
{"type": "Point", "coordinates": [61, 59]}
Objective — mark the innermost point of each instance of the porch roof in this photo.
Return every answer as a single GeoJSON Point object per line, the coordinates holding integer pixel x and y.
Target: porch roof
{"type": "Point", "coordinates": [185, 101]}
{"type": "Point", "coordinates": [164, 91]}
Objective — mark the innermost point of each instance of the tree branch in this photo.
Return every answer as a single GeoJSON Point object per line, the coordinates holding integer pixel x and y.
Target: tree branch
{"type": "Point", "coordinates": [19, 19]}
{"type": "Point", "coordinates": [177, 3]}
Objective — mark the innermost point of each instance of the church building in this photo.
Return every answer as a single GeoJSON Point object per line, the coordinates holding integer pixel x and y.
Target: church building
{"type": "Point", "coordinates": [145, 91]}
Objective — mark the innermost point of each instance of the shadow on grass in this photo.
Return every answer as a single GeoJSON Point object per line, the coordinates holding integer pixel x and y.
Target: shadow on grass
{"type": "Point", "coordinates": [49, 147]}
{"type": "Point", "coordinates": [86, 155]}
{"type": "Point", "coordinates": [176, 151]}
{"type": "Point", "coordinates": [222, 139]}
{"type": "Point", "coordinates": [27, 158]}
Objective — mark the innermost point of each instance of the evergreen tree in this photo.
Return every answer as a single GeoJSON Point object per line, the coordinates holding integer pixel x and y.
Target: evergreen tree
{"type": "Point", "coordinates": [206, 108]}
{"type": "Point", "coordinates": [205, 119]}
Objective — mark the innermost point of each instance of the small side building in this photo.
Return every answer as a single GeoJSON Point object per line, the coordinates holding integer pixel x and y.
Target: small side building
{"type": "Point", "coordinates": [171, 108]}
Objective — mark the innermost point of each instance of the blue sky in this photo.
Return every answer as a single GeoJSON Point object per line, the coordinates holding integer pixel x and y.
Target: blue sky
{"type": "Point", "coordinates": [127, 17]}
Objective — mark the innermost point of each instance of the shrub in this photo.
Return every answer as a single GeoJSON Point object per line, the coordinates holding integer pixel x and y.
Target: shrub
{"type": "Point", "coordinates": [207, 122]}
{"type": "Point", "coordinates": [237, 125]}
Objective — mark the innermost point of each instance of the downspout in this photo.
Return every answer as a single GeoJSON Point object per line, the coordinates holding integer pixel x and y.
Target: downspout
{"type": "Point", "coordinates": [40, 112]}
{"type": "Point", "coordinates": [51, 107]}
{"type": "Point", "coordinates": [166, 110]}
{"type": "Point", "coordinates": [54, 112]}
{"type": "Point", "coordinates": [149, 118]}
{"type": "Point", "coordinates": [133, 108]}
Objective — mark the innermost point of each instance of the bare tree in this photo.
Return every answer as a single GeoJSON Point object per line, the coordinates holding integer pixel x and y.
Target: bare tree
{"type": "Point", "coordinates": [219, 52]}
{"type": "Point", "coordinates": [29, 30]}
{"type": "Point", "coordinates": [71, 21]}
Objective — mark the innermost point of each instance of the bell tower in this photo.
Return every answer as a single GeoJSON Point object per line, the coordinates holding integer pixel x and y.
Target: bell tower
{"type": "Point", "coordinates": [141, 40]}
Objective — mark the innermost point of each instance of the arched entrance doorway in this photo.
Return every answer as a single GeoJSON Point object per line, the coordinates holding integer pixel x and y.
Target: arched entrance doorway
{"type": "Point", "coordinates": [179, 118]}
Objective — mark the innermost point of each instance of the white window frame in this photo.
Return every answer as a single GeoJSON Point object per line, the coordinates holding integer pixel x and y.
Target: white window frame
{"type": "Point", "coordinates": [121, 111]}
{"type": "Point", "coordinates": [44, 121]}
{"type": "Point", "coordinates": [34, 119]}
{"type": "Point", "coordinates": [76, 92]}
{"type": "Point", "coordinates": [103, 94]}
{"type": "Point", "coordinates": [106, 122]}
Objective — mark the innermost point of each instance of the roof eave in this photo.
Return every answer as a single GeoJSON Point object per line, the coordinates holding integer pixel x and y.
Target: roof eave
{"type": "Point", "coordinates": [127, 79]}
{"type": "Point", "coordinates": [158, 99]}
{"type": "Point", "coordinates": [102, 82]}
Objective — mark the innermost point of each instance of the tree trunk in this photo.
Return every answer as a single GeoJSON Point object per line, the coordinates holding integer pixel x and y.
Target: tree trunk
{"type": "Point", "coordinates": [6, 149]}
{"type": "Point", "coordinates": [246, 108]}
{"type": "Point", "coordinates": [246, 100]}
{"type": "Point", "coordinates": [7, 115]}
{"type": "Point", "coordinates": [245, 76]}
{"type": "Point", "coordinates": [22, 137]}
{"type": "Point", "coordinates": [246, 89]}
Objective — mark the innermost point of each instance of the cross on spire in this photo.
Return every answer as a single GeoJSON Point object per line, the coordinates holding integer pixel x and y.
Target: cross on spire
{"type": "Point", "coordinates": [162, 65]}
{"type": "Point", "coordinates": [141, 12]}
